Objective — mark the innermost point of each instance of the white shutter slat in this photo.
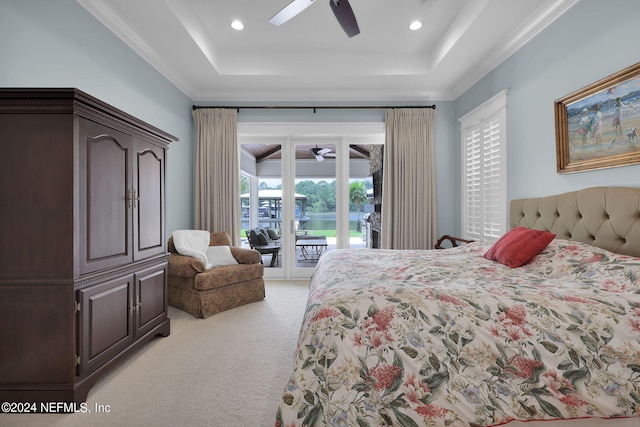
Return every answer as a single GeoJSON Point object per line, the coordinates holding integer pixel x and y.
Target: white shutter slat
{"type": "Point", "coordinates": [484, 172]}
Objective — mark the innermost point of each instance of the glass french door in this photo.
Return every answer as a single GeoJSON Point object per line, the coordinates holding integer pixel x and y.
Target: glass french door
{"type": "Point", "coordinates": [262, 202]}
{"type": "Point", "coordinates": [315, 210]}
{"type": "Point", "coordinates": [301, 190]}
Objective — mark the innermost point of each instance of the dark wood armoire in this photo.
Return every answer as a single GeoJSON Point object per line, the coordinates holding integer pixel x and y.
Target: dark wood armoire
{"type": "Point", "coordinates": [83, 264]}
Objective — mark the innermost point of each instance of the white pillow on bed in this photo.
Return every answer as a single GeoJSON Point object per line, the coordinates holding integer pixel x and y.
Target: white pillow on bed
{"type": "Point", "coordinates": [220, 255]}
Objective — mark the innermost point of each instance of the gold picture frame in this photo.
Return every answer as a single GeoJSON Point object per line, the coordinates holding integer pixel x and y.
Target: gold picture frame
{"type": "Point", "coordinates": [598, 126]}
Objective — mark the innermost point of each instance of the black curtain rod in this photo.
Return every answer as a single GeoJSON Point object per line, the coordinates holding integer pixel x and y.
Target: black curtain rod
{"type": "Point", "coordinates": [337, 107]}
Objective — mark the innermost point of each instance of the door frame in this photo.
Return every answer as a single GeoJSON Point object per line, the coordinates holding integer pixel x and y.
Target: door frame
{"type": "Point", "coordinates": [290, 133]}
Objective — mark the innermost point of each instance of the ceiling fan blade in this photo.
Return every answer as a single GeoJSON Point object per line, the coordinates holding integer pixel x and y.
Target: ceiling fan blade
{"type": "Point", "coordinates": [330, 155]}
{"type": "Point", "coordinates": [319, 158]}
{"type": "Point", "coordinates": [289, 11]}
{"type": "Point", "coordinates": [344, 14]}
{"type": "Point", "coordinates": [324, 151]}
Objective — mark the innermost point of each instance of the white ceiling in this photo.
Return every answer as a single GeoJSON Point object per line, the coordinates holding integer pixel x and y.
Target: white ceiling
{"type": "Point", "coordinates": [310, 58]}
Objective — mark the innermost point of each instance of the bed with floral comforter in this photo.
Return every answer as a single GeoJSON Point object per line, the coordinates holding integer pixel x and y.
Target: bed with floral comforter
{"type": "Point", "coordinates": [449, 338]}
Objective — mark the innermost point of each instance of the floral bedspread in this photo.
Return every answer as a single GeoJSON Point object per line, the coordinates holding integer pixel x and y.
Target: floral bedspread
{"type": "Point", "coordinates": [448, 338]}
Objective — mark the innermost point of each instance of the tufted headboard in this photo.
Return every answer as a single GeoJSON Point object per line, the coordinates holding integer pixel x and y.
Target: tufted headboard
{"type": "Point", "coordinates": [606, 217]}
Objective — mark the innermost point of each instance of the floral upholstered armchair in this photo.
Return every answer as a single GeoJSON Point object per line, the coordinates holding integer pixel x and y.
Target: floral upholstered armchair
{"type": "Point", "coordinates": [235, 277]}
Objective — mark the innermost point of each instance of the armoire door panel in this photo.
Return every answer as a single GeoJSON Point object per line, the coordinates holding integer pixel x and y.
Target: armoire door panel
{"type": "Point", "coordinates": [107, 192]}
{"type": "Point", "coordinates": [151, 298]}
{"type": "Point", "coordinates": [107, 196]}
{"type": "Point", "coordinates": [149, 204]}
{"type": "Point", "coordinates": [106, 320]}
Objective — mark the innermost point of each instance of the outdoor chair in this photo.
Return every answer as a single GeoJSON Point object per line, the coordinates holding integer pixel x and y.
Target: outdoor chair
{"type": "Point", "coordinates": [265, 241]}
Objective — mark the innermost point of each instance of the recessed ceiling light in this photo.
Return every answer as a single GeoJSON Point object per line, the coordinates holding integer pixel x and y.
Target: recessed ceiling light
{"type": "Point", "coordinates": [415, 25]}
{"type": "Point", "coordinates": [237, 25]}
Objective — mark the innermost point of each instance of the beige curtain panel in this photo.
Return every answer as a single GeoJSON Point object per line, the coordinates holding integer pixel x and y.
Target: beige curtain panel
{"type": "Point", "coordinates": [408, 184]}
{"type": "Point", "coordinates": [217, 171]}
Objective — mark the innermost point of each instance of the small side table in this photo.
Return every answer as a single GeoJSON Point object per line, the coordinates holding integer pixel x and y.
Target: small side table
{"type": "Point", "coordinates": [311, 249]}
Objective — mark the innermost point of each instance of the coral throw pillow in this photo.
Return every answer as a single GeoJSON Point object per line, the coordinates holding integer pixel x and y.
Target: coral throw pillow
{"type": "Point", "coordinates": [519, 246]}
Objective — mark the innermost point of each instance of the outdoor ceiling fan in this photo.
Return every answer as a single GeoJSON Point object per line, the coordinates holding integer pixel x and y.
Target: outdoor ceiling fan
{"type": "Point", "coordinates": [341, 9]}
{"type": "Point", "coordinates": [321, 153]}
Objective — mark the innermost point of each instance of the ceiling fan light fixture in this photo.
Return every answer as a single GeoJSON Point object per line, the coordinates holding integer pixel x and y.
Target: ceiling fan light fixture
{"type": "Point", "coordinates": [340, 8]}
{"type": "Point", "coordinates": [237, 25]}
{"type": "Point", "coordinates": [289, 11]}
{"type": "Point", "coordinates": [321, 153]}
{"type": "Point", "coordinates": [415, 25]}
{"type": "Point", "coordinates": [344, 14]}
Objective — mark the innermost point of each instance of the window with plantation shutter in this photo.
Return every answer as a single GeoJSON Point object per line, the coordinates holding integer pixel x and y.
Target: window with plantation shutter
{"type": "Point", "coordinates": [484, 169]}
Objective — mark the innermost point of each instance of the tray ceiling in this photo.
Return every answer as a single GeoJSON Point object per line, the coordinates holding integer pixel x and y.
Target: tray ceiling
{"type": "Point", "coordinates": [310, 58]}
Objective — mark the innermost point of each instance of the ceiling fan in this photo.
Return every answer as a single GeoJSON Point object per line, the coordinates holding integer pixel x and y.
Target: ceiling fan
{"type": "Point", "coordinates": [321, 153]}
{"type": "Point", "coordinates": [341, 9]}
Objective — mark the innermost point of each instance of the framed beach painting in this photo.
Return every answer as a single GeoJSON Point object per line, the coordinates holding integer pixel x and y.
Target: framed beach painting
{"type": "Point", "coordinates": [597, 126]}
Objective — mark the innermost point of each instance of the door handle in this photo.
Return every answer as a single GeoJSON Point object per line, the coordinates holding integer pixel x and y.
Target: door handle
{"type": "Point", "coordinates": [132, 198]}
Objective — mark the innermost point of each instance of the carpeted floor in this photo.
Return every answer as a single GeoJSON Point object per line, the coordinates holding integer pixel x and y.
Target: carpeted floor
{"type": "Point", "coordinates": [228, 370]}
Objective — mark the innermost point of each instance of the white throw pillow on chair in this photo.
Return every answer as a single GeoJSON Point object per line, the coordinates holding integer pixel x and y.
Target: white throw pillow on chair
{"type": "Point", "coordinates": [220, 255]}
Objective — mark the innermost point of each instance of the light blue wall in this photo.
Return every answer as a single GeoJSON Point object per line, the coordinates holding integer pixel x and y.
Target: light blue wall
{"type": "Point", "coordinates": [46, 43]}
{"type": "Point", "coordinates": [447, 170]}
{"type": "Point", "coordinates": [592, 40]}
